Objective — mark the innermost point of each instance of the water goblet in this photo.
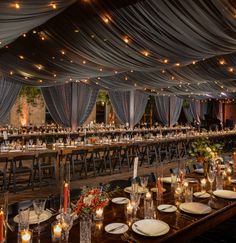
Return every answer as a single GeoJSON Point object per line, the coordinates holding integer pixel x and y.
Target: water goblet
{"type": "Point", "coordinates": [67, 222]}
{"type": "Point", "coordinates": [211, 177]}
{"type": "Point", "coordinates": [39, 206]}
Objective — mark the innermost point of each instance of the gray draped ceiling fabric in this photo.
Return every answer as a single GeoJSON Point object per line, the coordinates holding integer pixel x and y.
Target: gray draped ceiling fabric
{"type": "Point", "coordinates": [193, 111]}
{"type": "Point", "coordinates": [9, 91]}
{"type": "Point", "coordinates": [164, 49]}
{"type": "Point", "coordinates": [70, 104]}
{"type": "Point", "coordinates": [129, 106]}
{"type": "Point", "coordinates": [18, 17]}
{"type": "Point", "coordinates": [168, 109]}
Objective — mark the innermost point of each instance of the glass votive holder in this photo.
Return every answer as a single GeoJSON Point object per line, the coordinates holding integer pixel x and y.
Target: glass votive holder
{"type": "Point", "coordinates": [25, 236]}
{"type": "Point", "coordinates": [203, 185]}
{"type": "Point", "coordinates": [99, 214]}
{"type": "Point", "coordinates": [148, 195]}
{"type": "Point", "coordinates": [148, 209]}
{"type": "Point", "coordinates": [56, 231]}
{"type": "Point", "coordinates": [129, 210]}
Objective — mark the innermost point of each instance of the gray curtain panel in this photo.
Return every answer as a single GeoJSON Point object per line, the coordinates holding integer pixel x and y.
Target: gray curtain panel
{"type": "Point", "coordinates": [70, 104]}
{"type": "Point", "coordinates": [193, 112]}
{"type": "Point", "coordinates": [168, 109]}
{"type": "Point", "coordinates": [129, 106]}
{"type": "Point", "coordinates": [9, 90]}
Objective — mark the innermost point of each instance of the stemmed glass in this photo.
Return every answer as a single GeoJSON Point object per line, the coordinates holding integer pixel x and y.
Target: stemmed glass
{"type": "Point", "coordinates": [211, 178]}
{"type": "Point", "coordinates": [39, 206]}
{"type": "Point", "coordinates": [135, 200]}
{"type": "Point", "coordinates": [67, 222]}
{"type": "Point", "coordinates": [144, 181]}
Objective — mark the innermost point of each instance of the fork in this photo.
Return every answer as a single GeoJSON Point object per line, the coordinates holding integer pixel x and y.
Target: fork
{"type": "Point", "coordinates": [127, 236]}
{"type": "Point", "coordinates": [125, 239]}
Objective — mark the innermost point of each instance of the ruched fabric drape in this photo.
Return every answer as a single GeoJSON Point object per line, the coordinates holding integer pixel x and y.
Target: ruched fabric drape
{"type": "Point", "coordinates": [70, 104]}
{"type": "Point", "coordinates": [9, 90]}
{"type": "Point", "coordinates": [193, 111]}
{"type": "Point", "coordinates": [129, 106]}
{"type": "Point", "coordinates": [168, 109]}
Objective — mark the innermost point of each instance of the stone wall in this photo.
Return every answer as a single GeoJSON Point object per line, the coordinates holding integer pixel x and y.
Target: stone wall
{"type": "Point", "coordinates": [23, 113]}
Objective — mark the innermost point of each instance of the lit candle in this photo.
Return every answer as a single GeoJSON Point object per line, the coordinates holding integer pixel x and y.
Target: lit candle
{"type": "Point", "coordinates": [229, 171]}
{"type": "Point", "coordinates": [66, 196]}
{"type": "Point", "coordinates": [129, 209]}
{"type": "Point", "coordinates": [203, 185]}
{"type": "Point", "coordinates": [185, 184]}
{"type": "Point", "coordinates": [1, 225]}
{"type": "Point", "coordinates": [99, 213]}
{"type": "Point", "coordinates": [57, 230]}
{"type": "Point", "coordinates": [148, 195]}
{"type": "Point", "coordinates": [181, 176]}
{"type": "Point", "coordinates": [26, 236]}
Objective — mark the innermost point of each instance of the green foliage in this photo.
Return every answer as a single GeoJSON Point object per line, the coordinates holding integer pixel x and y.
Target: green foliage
{"type": "Point", "coordinates": [203, 147]}
{"type": "Point", "coordinates": [103, 97]}
{"type": "Point", "coordinates": [31, 93]}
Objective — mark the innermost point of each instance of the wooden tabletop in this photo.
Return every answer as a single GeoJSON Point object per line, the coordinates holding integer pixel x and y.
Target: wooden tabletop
{"type": "Point", "coordinates": [182, 227]}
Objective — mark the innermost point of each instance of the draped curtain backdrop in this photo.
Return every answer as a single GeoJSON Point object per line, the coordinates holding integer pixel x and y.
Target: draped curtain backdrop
{"type": "Point", "coordinates": [9, 90]}
{"type": "Point", "coordinates": [70, 104]}
{"type": "Point", "coordinates": [129, 106]}
{"type": "Point", "coordinates": [194, 112]}
{"type": "Point", "coordinates": [168, 109]}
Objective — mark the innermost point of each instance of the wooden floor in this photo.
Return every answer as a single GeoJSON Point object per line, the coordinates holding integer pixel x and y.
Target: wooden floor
{"type": "Point", "coordinates": [52, 189]}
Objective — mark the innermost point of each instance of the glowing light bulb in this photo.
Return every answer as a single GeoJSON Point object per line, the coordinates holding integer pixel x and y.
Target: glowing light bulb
{"type": "Point", "coordinates": [17, 5]}
{"type": "Point", "coordinates": [146, 53]}
{"type": "Point", "coordinates": [222, 62]}
{"type": "Point", "coordinates": [126, 39]}
{"type": "Point", "coordinates": [231, 69]}
{"type": "Point", "coordinates": [193, 62]}
{"type": "Point", "coordinates": [21, 57]}
{"type": "Point", "coordinates": [62, 52]}
{"type": "Point", "coordinates": [84, 62]}
{"type": "Point", "coordinates": [177, 64]}
{"type": "Point", "coordinates": [165, 60]}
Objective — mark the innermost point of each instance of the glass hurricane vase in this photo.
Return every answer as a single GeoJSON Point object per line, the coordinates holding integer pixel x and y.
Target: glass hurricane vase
{"type": "Point", "coordinates": [85, 228]}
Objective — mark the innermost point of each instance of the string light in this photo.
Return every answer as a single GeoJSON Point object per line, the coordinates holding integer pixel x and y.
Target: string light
{"type": "Point", "coordinates": [21, 57]}
{"type": "Point", "coordinates": [62, 52]}
{"type": "Point", "coordinates": [53, 5]}
{"type": "Point", "coordinates": [11, 72]}
{"type": "Point", "coordinates": [126, 39]}
{"type": "Point", "coordinates": [100, 69]}
{"type": "Point", "coordinates": [76, 30]}
{"type": "Point", "coordinates": [222, 62]}
{"type": "Point", "coordinates": [126, 78]}
{"type": "Point", "coordinates": [84, 62]}
{"type": "Point", "coordinates": [165, 61]}
{"type": "Point", "coordinates": [16, 5]}
{"type": "Point", "coordinates": [106, 19]}
{"type": "Point", "coordinates": [146, 53]}
{"type": "Point", "coordinates": [172, 77]}
{"type": "Point", "coordinates": [34, 32]}
{"type": "Point", "coordinates": [177, 64]}
{"type": "Point", "coordinates": [24, 35]}
{"type": "Point", "coordinates": [231, 69]}
{"type": "Point", "coordinates": [42, 38]}
{"type": "Point", "coordinates": [163, 71]}
{"type": "Point", "coordinates": [54, 75]}
{"type": "Point", "coordinates": [193, 62]}
{"type": "Point", "coordinates": [116, 72]}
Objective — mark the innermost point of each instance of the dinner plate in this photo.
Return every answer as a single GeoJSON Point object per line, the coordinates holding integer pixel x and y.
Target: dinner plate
{"type": "Point", "coordinates": [33, 218]}
{"type": "Point", "coordinates": [166, 179]}
{"type": "Point", "coordinates": [150, 227]}
{"type": "Point", "coordinates": [225, 194]}
{"type": "Point", "coordinates": [199, 171]}
{"type": "Point", "coordinates": [154, 189]}
{"type": "Point", "coordinates": [195, 208]}
{"type": "Point", "coordinates": [116, 228]}
{"type": "Point", "coordinates": [120, 200]}
{"type": "Point", "coordinates": [167, 208]}
{"type": "Point", "coordinates": [140, 189]}
{"type": "Point", "coordinates": [201, 194]}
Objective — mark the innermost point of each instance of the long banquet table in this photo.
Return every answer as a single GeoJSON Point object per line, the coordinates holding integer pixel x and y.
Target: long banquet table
{"type": "Point", "coordinates": [182, 227]}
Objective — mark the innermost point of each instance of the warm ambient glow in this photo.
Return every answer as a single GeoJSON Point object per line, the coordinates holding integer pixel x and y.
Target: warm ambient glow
{"type": "Point", "coordinates": [84, 62]}
{"type": "Point", "coordinates": [231, 69]}
{"type": "Point", "coordinates": [53, 5]}
{"type": "Point", "coordinates": [17, 5]}
{"type": "Point", "coordinates": [193, 62]}
{"type": "Point", "coordinates": [62, 52]}
{"type": "Point", "coordinates": [21, 57]}
{"type": "Point", "coordinates": [177, 64]}
{"type": "Point", "coordinates": [222, 62]}
{"type": "Point", "coordinates": [39, 66]}
{"type": "Point", "coordinates": [146, 53]}
{"type": "Point", "coordinates": [165, 60]}
{"type": "Point", "coordinates": [106, 19]}
{"type": "Point", "coordinates": [126, 39]}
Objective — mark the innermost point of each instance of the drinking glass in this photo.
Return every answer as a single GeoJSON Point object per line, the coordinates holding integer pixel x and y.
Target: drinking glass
{"type": "Point", "coordinates": [211, 177]}
{"type": "Point", "coordinates": [135, 200]}
{"type": "Point", "coordinates": [188, 194]}
{"type": "Point", "coordinates": [23, 219]}
{"type": "Point", "coordinates": [67, 222]}
{"type": "Point", "coordinates": [144, 181]}
{"type": "Point", "coordinates": [39, 206]}
{"type": "Point", "coordinates": [31, 141]}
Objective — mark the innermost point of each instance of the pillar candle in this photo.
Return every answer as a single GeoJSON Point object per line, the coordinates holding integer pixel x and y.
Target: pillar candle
{"type": "Point", "coordinates": [66, 196]}
{"type": "Point", "coordinates": [1, 225]}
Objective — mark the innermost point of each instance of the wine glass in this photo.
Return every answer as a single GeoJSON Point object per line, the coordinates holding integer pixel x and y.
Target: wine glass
{"type": "Point", "coordinates": [144, 181]}
{"type": "Point", "coordinates": [211, 177]}
{"type": "Point", "coordinates": [67, 222]}
{"type": "Point", "coordinates": [39, 206]}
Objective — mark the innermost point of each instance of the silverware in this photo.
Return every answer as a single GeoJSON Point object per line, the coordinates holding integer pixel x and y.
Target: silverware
{"type": "Point", "coordinates": [128, 236]}
{"type": "Point", "coordinates": [163, 209]}
{"type": "Point", "coordinates": [116, 228]}
{"type": "Point", "coordinates": [142, 232]}
{"type": "Point", "coordinates": [125, 239]}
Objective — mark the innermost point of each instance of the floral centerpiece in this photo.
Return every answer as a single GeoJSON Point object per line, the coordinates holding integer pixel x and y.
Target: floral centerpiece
{"type": "Point", "coordinates": [205, 152]}
{"type": "Point", "coordinates": [91, 199]}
